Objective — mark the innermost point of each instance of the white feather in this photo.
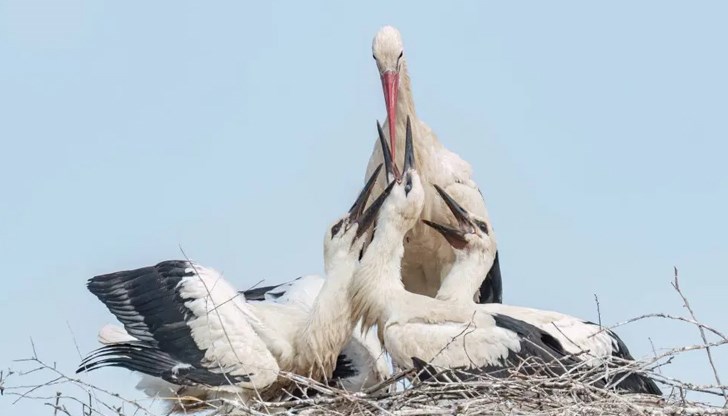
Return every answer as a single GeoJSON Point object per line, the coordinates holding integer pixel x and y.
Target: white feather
{"type": "Point", "coordinates": [113, 334]}
{"type": "Point", "coordinates": [593, 344]}
{"type": "Point", "coordinates": [222, 327]}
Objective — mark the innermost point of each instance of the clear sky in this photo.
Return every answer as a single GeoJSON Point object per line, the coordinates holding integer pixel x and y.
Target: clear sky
{"type": "Point", "coordinates": [239, 131]}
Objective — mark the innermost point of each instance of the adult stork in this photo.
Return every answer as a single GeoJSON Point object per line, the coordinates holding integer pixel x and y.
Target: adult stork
{"type": "Point", "coordinates": [184, 324]}
{"type": "Point", "coordinates": [414, 325]}
{"type": "Point", "coordinates": [586, 341]}
{"type": "Point", "coordinates": [426, 258]}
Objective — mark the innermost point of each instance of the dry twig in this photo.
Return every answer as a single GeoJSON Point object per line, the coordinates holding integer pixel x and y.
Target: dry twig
{"type": "Point", "coordinates": [574, 391]}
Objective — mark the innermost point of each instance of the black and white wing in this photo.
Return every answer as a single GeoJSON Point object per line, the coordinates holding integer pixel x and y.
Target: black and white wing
{"type": "Point", "coordinates": [587, 341]}
{"type": "Point", "coordinates": [487, 340]}
{"type": "Point", "coordinates": [362, 363]}
{"type": "Point", "coordinates": [188, 325]}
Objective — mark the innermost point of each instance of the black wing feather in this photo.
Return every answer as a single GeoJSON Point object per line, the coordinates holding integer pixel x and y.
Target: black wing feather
{"type": "Point", "coordinates": [148, 303]}
{"type": "Point", "coordinates": [491, 290]}
{"type": "Point", "coordinates": [632, 382]}
{"type": "Point", "coordinates": [345, 368]}
{"type": "Point", "coordinates": [544, 346]}
{"type": "Point", "coordinates": [138, 356]}
{"type": "Point", "coordinates": [534, 342]}
{"type": "Point", "coordinates": [260, 293]}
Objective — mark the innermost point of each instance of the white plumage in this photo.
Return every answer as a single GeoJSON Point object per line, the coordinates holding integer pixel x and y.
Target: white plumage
{"type": "Point", "coordinates": [213, 344]}
{"type": "Point", "coordinates": [475, 251]}
{"type": "Point", "coordinates": [426, 259]}
{"type": "Point", "coordinates": [362, 361]}
{"type": "Point", "coordinates": [416, 326]}
{"type": "Point", "coordinates": [183, 323]}
{"type": "Point", "coordinates": [224, 326]}
{"type": "Point", "coordinates": [593, 344]}
{"type": "Point", "coordinates": [187, 331]}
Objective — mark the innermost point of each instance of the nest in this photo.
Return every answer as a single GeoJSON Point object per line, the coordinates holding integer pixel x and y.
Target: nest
{"type": "Point", "coordinates": [532, 388]}
{"type": "Point", "coordinates": [537, 391]}
{"type": "Point", "coordinates": [579, 391]}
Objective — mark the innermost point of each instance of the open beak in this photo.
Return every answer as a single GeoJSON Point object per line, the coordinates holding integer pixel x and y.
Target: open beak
{"type": "Point", "coordinates": [461, 215]}
{"type": "Point", "coordinates": [390, 85]}
{"type": "Point", "coordinates": [370, 215]}
{"type": "Point", "coordinates": [357, 209]}
{"type": "Point", "coordinates": [455, 237]}
{"type": "Point", "coordinates": [393, 172]}
{"type": "Point", "coordinates": [389, 166]}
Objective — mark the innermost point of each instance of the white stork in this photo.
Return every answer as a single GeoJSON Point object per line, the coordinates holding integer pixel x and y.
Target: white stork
{"type": "Point", "coordinates": [361, 363]}
{"type": "Point", "coordinates": [184, 324]}
{"type": "Point", "coordinates": [426, 259]}
{"type": "Point", "coordinates": [474, 253]}
{"type": "Point", "coordinates": [413, 325]}
{"type": "Point", "coordinates": [420, 328]}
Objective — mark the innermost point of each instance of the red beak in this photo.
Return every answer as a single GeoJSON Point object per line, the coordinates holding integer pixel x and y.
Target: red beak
{"type": "Point", "coordinates": [390, 84]}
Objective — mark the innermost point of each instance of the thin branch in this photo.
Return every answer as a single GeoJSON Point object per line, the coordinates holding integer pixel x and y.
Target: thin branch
{"type": "Point", "coordinates": [676, 285]}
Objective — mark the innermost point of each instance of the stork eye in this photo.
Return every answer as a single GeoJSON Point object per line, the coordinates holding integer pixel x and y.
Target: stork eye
{"type": "Point", "coordinates": [374, 56]}
{"type": "Point", "coordinates": [335, 229]}
{"type": "Point", "coordinates": [482, 226]}
{"type": "Point", "coordinates": [400, 55]}
{"type": "Point", "coordinates": [408, 185]}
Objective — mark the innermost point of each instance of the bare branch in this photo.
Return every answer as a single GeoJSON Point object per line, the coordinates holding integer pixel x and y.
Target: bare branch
{"type": "Point", "coordinates": [676, 285]}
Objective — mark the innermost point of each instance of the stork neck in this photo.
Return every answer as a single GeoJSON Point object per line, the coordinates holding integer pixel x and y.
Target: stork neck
{"type": "Point", "coordinates": [405, 101]}
{"type": "Point", "coordinates": [425, 143]}
{"type": "Point", "coordinates": [377, 284]}
{"type": "Point", "coordinates": [328, 328]}
{"type": "Point", "coordinates": [465, 277]}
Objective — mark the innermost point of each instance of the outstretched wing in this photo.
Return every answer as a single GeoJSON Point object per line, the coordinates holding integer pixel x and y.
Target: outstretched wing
{"type": "Point", "coordinates": [186, 317]}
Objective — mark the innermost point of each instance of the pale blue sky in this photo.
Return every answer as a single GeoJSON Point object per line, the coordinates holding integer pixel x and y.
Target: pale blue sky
{"type": "Point", "coordinates": [239, 131]}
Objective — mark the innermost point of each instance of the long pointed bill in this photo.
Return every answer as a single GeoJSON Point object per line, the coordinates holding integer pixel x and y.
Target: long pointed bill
{"type": "Point", "coordinates": [459, 212]}
{"type": "Point", "coordinates": [357, 209]}
{"type": "Point", "coordinates": [390, 85]}
{"type": "Point", "coordinates": [370, 214]}
{"type": "Point", "coordinates": [455, 237]}
{"type": "Point", "coordinates": [409, 150]}
{"type": "Point", "coordinates": [389, 166]}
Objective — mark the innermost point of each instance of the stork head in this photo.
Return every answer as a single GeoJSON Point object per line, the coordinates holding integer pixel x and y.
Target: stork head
{"type": "Point", "coordinates": [407, 198]}
{"type": "Point", "coordinates": [388, 53]}
{"type": "Point", "coordinates": [343, 237]}
{"type": "Point", "coordinates": [470, 233]}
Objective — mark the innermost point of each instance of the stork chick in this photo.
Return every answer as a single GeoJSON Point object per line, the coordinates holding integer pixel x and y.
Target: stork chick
{"type": "Point", "coordinates": [186, 325]}
{"type": "Point", "coordinates": [475, 251]}
{"type": "Point", "coordinates": [443, 333]}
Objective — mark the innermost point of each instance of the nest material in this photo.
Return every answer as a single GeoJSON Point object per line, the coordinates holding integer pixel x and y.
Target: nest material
{"type": "Point", "coordinates": [525, 390]}
{"type": "Point", "coordinates": [579, 392]}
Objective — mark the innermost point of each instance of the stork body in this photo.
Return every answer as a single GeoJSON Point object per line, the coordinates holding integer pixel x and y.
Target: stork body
{"type": "Point", "coordinates": [414, 325]}
{"type": "Point", "coordinates": [475, 251]}
{"type": "Point", "coordinates": [360, 364]}
{"type": "Point", "coordinates": [426, 260]}
{"type": "Point", "coordinates": [184, 324]}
